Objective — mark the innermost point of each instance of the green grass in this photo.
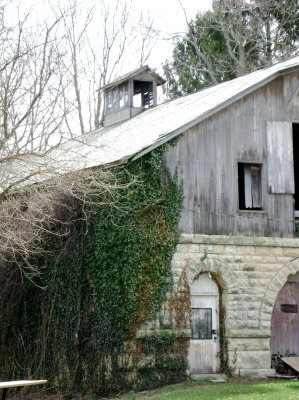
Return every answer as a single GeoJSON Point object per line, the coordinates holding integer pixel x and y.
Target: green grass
{"type": "Point", "coordinates": [233, 390]}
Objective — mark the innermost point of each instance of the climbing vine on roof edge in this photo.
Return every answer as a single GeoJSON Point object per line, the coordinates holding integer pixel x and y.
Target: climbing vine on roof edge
{"type": "Point", "coordinates": [101, 284]}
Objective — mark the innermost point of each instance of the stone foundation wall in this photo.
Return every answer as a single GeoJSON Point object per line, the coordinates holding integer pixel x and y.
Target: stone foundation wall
{"type": "Point", "coordinates": [250, 271]}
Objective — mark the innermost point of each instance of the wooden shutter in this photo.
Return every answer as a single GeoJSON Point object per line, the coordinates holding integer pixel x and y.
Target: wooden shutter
{"type": "Point", "coordinates": [247, 186]}
{"type": "Point", "coordinates": [252, 186]}
{"type": "Point", "coordinates": [256, 186]}
{"type": "Point", "coordinates": [280, 157]}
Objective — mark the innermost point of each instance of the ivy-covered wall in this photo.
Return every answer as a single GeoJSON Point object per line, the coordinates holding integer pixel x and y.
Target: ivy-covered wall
{"type": "Point", "coordinates": [78, 325]}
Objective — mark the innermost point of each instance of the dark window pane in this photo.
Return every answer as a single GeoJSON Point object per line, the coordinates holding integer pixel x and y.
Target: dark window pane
{"type": "Point", "coordinates": [201, 323]}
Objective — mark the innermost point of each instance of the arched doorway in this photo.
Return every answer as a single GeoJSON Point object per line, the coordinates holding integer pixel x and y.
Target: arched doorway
{"type": "Point", "coordinates": [203, 356]}
{"type": "Point", "coordinates": [285, 319]}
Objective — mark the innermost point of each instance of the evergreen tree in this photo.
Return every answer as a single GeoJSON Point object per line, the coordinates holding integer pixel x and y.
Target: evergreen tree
{"type": "Point", "coordinates": [235, 38]}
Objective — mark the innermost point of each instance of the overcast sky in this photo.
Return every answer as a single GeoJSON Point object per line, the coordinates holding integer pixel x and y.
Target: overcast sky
{"type": "Point", "coordinates": [169, 17]}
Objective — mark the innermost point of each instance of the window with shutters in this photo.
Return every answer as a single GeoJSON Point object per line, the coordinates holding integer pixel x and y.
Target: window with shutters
{"type": "Point", "coordinates": [250, 189]}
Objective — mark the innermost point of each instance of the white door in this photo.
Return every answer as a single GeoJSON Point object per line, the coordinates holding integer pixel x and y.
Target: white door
{"type": "Point", "coordinates": [203, 354]}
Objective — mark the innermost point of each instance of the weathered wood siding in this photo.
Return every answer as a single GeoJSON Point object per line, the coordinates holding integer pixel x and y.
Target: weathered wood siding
{"type": "Point", "coordinates": [207, 157]}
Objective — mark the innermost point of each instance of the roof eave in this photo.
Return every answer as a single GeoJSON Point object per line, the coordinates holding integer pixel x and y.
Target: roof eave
{"type": "Point", "coordinates": [160, 81]}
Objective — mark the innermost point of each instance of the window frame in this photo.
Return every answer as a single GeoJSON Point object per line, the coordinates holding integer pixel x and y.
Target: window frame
{"type": "Point", "coordinates": [245, 175]}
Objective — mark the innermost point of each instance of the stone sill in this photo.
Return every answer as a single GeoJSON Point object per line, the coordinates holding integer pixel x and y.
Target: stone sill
{"type": "Point", "coordinates": [248, 333]}
{"type": "Point", "coordinates": [238, 240]}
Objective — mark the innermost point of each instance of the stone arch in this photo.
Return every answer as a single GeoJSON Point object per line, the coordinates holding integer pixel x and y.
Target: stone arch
{"type": "Point", "coordinates": [272, 291]}
{"type": "Point", "coordinates": [219, 269]}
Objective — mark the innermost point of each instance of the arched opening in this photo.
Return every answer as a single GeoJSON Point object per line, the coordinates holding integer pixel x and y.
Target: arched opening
{"type": "Point", "coordinates": [285, 320]}
{"type": "Point", "coordinates": [204, 348]}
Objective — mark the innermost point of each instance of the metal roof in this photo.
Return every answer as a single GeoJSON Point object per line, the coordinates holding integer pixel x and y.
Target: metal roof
{"type": "Point", "coordinates": [135, 137]}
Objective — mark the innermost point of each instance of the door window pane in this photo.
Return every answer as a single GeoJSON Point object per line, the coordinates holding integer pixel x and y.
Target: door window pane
{"type": "Point", "coordinates": [201, 323]}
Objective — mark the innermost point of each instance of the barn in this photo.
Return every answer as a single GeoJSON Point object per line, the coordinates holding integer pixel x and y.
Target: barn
{"type": "Point", "coordinates": [233, 148]}
{"type": "Point", "coordinates": [236, 156]}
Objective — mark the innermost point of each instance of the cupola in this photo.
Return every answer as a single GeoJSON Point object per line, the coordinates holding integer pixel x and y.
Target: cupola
{"type": "Point", "coordinates": [130, 94]}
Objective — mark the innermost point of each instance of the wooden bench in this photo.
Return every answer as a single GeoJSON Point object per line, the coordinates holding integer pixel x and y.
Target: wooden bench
{"type": "Point", "coordinates": [11, 384]}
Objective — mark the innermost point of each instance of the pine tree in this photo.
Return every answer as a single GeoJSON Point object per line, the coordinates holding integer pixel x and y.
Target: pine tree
{"type": "Point", "coordinates": [235, 38]}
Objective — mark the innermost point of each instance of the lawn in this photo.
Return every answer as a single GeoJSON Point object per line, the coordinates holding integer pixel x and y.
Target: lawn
{"type": "Point", "coordinates": [232, 390]}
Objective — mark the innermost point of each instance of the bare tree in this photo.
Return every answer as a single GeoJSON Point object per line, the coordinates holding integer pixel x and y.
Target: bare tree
{"type": "Point", "coordinates": [34, 213]}
{"type": "Point", "coordinates": [99, 43]}
{"type": "Point", "coordinates": [48, 75]}
{"type": "Point", "coordinates": [30, 88]}
{"type": "Point", "coordinates": [256, 33]}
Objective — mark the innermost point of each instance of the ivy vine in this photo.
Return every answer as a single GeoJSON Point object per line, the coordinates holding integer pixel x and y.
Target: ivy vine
{"type": "Point", "coordinates": [102, 282]}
